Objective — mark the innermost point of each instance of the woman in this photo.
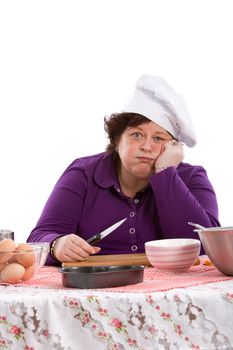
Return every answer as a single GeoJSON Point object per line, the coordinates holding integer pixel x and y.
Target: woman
{"type": "Point", "coordinates": [140, 177]}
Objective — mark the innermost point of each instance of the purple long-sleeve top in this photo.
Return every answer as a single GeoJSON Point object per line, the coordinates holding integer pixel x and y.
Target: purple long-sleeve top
{"type": "Point", "coordinates": [87, 199]}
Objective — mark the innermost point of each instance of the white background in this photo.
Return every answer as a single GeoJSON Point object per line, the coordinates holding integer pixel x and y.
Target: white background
{"type": "Point", "coordinates": [64, 65]}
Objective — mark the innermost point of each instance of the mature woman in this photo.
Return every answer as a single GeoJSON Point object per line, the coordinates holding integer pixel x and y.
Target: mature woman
{"type": "Point", "coordinates": [140, 177]}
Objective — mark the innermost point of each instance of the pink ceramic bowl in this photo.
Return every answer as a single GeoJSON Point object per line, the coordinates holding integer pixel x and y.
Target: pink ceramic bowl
{"type": "Point", "coordinates": [173, 255]}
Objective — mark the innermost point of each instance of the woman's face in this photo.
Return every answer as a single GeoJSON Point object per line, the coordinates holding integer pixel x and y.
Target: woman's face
{"type": "Point", "coordinates": [139, 147]}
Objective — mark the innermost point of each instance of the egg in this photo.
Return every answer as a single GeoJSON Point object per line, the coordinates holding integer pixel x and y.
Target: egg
{"type": "Point", "coordinates": [29, 272]}
{"type": "Point", "coordinates": [12, 273]}
{"type": "Point", "coordinates": [26, 259]}
{"type": "Point", "coordinates": [12, 259]}
{"type": "Point", "coordinates": [2, 265]}
{"type": "Point", "coordinates": [7, 246]}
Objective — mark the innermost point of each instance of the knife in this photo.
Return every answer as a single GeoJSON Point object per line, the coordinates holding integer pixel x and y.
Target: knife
{"type": "Point", "coordinates": [96, 238]}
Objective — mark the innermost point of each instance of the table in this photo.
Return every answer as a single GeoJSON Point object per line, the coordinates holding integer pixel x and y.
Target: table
{"type": "Point", "coordinates": [186, 311]}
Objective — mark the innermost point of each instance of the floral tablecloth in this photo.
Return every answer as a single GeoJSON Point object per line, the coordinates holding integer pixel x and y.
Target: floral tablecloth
{"type": "Point", "coordinates": [35, 316]}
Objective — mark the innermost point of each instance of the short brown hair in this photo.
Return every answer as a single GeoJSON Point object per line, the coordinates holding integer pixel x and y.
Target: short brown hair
{"type": "Point", "coordinates": [116, 123]}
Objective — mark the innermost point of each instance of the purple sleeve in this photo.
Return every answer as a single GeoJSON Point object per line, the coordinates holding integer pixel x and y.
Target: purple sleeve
{"type": "Point", "coordinates": [62, 211]}
{"type": "Point", "coordinates": [182, 197]}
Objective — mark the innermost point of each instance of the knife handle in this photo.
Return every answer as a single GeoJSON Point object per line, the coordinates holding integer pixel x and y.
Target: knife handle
{"type": "Point", "coordinates": [94, 239]}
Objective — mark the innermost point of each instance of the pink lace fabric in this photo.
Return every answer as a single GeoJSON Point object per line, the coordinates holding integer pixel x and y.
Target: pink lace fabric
{"type": "Point", "coordinates": [154, 280]}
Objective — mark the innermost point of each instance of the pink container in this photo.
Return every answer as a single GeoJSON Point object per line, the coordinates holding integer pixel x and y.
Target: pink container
{"type": "Point", "coordinates": [218, 245]}
{"type": "Point", "coordinates": [173, 255]}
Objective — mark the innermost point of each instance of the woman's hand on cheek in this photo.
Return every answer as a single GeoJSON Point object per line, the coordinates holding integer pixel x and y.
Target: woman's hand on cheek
{"type": "Point", "coordinates": [73, 248]}
{"type": "Point", "coordinates": [171, 154]}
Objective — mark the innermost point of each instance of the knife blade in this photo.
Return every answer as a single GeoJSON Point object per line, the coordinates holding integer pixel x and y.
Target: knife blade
{"type": "Point", "coordinates": [97, 237]}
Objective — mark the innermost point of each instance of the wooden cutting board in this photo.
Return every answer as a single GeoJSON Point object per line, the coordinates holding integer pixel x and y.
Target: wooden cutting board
{"type": "Point", "coordinates": [110, 260]}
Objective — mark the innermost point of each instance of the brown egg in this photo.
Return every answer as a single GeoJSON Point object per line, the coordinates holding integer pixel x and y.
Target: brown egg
{"type": "Point", "coordinates": [26, 259]}
{"type": "Point", "coordinates": [7, 246]}
{"type": "Point", "coordinates": [29, 272]}
{"type": "Point", "coordinates": [2, 265]}
{"type": "Point", "coordinates": [12, 259]}
{"type": "Point", "coordinates": [12, 273]}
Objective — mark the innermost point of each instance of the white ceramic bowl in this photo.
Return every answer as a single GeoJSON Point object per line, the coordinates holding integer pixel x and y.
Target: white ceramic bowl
{"type": "Point", "coordinates": [173, 255]}
{"type": "Point", "coordinates": [218, 245]}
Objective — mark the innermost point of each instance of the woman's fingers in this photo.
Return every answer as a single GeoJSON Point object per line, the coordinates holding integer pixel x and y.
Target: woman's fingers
{"type": "Point", "coordinates": [72, 247]}
{"type": "Point", "coordinates": [171, 155]}
{"type": "Point", "coordinates": [75, 256]}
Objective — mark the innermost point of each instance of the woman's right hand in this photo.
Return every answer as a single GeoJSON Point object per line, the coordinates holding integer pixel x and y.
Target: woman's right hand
{"type": "Point", "coordinates": [172, 153]}
{"type": "Point", "coordinates": [73, 248]}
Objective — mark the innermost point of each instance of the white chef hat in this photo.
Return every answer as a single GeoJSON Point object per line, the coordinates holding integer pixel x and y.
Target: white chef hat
{"type": "Point", "coordinates": [155, 99]}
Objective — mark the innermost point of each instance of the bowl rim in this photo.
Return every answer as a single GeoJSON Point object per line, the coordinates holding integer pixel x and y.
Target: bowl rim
{"type": "Point", "coordinates": [215, 229]}
{"type": "Point", "coordinates": [161, 243]}
{"type": "Point", "coordinates": [43, 245]}
{"type": "Point", "coordinates": [22, 251]}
